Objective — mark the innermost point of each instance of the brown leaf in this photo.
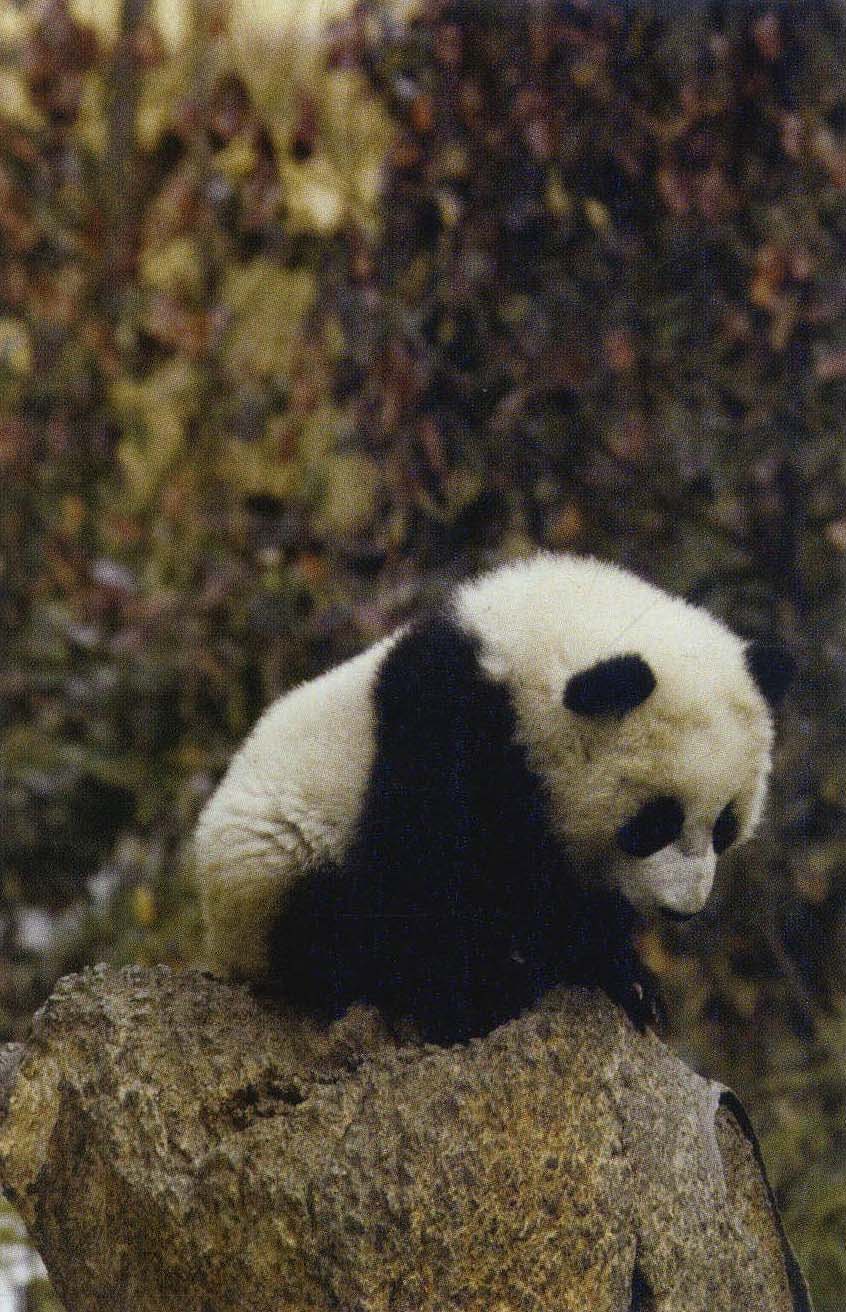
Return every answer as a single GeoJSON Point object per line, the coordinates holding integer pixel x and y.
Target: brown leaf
{"type": "Point", "coordinates": [831, 366]}
{"type": "Point", "coordinates": [766, 33]}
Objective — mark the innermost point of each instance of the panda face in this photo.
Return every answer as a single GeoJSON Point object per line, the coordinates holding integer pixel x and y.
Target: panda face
{"type": "Point", "coordinates": [664, 860]}
{"type": "Point", "coordinates": [647, 721]}
{"type": "Point", "coordinates": [671, 880]}
{"type": "Point", "coordinates": [681, 781]}
{"type": "Point", "coordinates": [663, 852]}
{"type": "Point", "coordinates": [667, 861]}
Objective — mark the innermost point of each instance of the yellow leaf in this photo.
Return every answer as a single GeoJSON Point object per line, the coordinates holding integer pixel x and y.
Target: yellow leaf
{"type": "Point", "coordinates": [162, 88]}
{"type": "Point", "coordinates": [170, 17]}
{"type": "Point", "coordinates": [237, 160]}
{"type": "Point", "coordinates": [313, 191]}
{"type": "Point", "coordinates": [267, 304]}
{"type": "Point", "coordinates": [450, 208]}
{"type": "Point", "coordinates": [515, 309]}
{"type": "Point", "coordinates": [462, 486]}
{"type": "Point", "coordinates": [454, 162]}
{"type": "Point", "coordinates": [557, 198]}
{"type": "Point", "coordinates": [175, 385]}
{"type": "Point", "coordinates": [352, 485]}
{"type": "Point", "coordinates": [653, 951]}
{"type": "Point", "coordinates": [92, 123]}
{"type": "Point", "coordinates": [15, 348]}
{"type": "Point", "coordinates": [334, 337]}
{"type": "Point", "coordinates": [72, 514]}
{"type": "Point", "coordinates": [252, 471]}
{"type": "Point", "coordinates": [320, 432]}
{"type": "Point", "coordinates": [597, 215]}
{"type": "Point", "coordinates": [17, 106]}
{"type": "Point", "coordinates": [143, 906]}
{"type": "Point", "coordinates": [175, 267]}
{"type": "Point", "coordinates": [585, 73]}
{"type": "Point", "coordinates": [146, 461]}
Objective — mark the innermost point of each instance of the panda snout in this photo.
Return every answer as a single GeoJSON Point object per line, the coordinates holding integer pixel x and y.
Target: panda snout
{"type": "Point", "coordinates": [689, 891]}
{"type": "Point", "coordinates": [668, 881]}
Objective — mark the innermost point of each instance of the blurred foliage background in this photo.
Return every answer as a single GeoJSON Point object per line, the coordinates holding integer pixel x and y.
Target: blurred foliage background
{"type": "Point", "coordinates": [308, 309]}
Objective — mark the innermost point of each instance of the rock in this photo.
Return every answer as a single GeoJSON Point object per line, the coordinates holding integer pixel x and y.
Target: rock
{"type": "Point", "coordinates": [173, 1143]}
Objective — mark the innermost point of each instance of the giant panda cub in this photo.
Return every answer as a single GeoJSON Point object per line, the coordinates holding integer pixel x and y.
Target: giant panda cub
{"type": "Point", "coordinates": [477, 807]}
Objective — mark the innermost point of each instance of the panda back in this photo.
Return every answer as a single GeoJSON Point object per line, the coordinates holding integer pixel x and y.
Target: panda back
{"type": "Point", "coordinates": [289, 801]}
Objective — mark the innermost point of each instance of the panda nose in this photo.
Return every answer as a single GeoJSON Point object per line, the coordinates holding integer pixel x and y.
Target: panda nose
{"type": "Point", "coordinates": [698, 881]}
{"type": "Point", "coordinates": [706, 869]}
{"type": "Point", "coordinates": [695, 846]}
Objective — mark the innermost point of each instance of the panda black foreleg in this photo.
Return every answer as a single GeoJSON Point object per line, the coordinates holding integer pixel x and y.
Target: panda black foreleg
{"type": "Point", "coordinates": [432, 826]}
{"type": "Point", "coordinates": [622, 974]}
{"type": "Point", "coordinates": [635, 989]}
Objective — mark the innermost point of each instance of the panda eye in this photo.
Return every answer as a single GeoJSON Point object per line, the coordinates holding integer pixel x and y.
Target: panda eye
{"type": "Point", "coordinates": [657, 823]}
{"type": "Point", "coordinates": [726, 828]}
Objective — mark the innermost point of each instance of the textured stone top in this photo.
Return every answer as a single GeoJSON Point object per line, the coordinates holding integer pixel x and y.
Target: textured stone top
{"type": "Point", "coordinates": [174, 1144]}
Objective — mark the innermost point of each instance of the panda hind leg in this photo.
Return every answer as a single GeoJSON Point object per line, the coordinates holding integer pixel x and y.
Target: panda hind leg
{"type": "Point", "coordinates": [315, 947]}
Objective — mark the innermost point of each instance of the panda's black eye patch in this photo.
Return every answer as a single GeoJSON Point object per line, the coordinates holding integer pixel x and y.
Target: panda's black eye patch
{"type": "Point", "coordinates": [726, 828]}
{"type": "Point", "coordinates": [657, 823]}
{"type": "Point", "coordinates": [613, 686]}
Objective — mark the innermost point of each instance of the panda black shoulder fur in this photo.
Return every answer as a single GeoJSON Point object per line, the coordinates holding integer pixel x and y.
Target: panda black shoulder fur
{"type": "Point", "coordinates": [474, 809]}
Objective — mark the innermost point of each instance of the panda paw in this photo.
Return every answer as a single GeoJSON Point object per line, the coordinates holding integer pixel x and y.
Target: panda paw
{"type": "Point", "coordinates": [634, 988]}
{"type": "Point", "coordinates": [647, 1009]}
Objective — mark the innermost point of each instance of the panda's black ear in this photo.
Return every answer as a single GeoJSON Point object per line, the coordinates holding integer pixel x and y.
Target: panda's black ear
{"type": "Point", "coordinates": [772, 667]}
{"type": "Point", "coordinates": [614, 686]}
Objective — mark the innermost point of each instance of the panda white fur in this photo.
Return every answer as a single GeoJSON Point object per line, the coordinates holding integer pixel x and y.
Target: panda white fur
{"type": "Point", "coordinates": [474, 808]}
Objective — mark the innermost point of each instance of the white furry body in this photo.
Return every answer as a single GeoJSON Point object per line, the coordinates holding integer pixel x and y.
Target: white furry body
{"type": "Point", "coordinates": [289, 800]}
{"type": "Point", "coordinates": [293, 792]}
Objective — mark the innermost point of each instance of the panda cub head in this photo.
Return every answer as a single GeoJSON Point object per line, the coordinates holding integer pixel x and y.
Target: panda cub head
{"type": "Point", "coordinates": [646, 720]}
